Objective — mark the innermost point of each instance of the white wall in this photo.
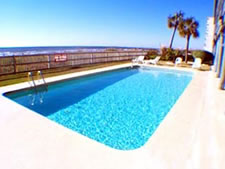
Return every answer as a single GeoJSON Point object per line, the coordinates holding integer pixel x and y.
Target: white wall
{"type": "Point", "coordinates": [209, 34]}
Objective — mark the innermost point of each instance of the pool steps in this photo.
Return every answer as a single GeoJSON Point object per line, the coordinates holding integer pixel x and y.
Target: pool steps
{"type": "Point", "coordinates": [40, 87]}
{"type": "Point", "coordinates": [30, 79]}
{"type": "Point", "coordinates": [39, 73]}
{"type": "Point", "coordinates": [36, 83]}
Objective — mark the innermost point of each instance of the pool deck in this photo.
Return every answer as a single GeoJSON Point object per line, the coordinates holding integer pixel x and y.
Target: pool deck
{"type": "Point", "coordinates": [192, 136]}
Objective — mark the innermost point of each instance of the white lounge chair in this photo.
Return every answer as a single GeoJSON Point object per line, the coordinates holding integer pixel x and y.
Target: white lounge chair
{"type": "Point", "coordinates": [197, 63]}
{"type": "Point", "coordinates": [139, 59]}
{"type": "Point", "coordinates": [153, 61]}
{"type": "Point", "coordinates": [178, 61]}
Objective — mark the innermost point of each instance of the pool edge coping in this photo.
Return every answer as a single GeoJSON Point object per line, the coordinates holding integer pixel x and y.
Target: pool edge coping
{"type": "Point", "coordinates": [148, 143]}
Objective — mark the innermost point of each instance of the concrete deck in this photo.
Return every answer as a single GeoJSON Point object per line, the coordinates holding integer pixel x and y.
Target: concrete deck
{"type": "Point", "coordinates": [190, 137]}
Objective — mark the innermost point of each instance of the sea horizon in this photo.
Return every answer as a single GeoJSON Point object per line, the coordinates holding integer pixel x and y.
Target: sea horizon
{"type": "Point", "coordinates": [32, 50]}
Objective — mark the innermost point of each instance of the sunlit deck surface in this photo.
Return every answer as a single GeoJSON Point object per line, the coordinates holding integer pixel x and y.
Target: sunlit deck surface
{"type": "Point", "coordinates": [191, 135]}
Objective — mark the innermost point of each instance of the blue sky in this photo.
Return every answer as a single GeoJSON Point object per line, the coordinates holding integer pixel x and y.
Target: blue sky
{"type": "Point", "coordinates": [132, 23]}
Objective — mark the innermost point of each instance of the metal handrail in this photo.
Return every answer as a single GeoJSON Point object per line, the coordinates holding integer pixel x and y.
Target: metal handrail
{"type": "Point", "coordinates": [30, 76]}
{"type": "Point", "coordinates": [43, 79]}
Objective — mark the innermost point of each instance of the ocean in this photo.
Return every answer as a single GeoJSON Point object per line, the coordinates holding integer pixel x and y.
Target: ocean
{"type": "Point", "coordinates": [20, 51]}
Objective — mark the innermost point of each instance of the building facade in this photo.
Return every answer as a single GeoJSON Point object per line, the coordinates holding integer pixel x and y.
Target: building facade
{"type": "Point", "coordinates": [218, 41]}
{"type": "Point", "coordinates": [208, 46]}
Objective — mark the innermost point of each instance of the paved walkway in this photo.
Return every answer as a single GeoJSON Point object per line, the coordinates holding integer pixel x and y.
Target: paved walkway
{"type": "Point", "coordinates": [209, 149]}
{"type": "Point", "coordinates": [190, 137]}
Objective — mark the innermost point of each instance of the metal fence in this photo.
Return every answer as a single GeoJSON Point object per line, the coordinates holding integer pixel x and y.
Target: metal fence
{"type": "Point", "coordinates": [17, 64]}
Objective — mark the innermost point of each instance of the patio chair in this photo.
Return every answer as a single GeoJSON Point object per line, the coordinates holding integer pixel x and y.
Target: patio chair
{"type": "Point", "coordinates": [139, 59]}
{"type": "Point", "coordinates": [153, 61]}
{"type": "Point", "coordinates": [197, 63]}
{"type": "Point", "coordinates": [178, 61]}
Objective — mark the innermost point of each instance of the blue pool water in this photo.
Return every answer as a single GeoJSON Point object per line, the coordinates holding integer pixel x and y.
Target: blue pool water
{"type": "Point", "coordinates": [120, 109]}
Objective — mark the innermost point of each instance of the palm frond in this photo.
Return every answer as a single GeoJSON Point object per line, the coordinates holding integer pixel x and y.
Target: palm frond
{"type": "Point", "coordinates": [173, 21]}
{"type": "Point", "coordinates": [189, 27]}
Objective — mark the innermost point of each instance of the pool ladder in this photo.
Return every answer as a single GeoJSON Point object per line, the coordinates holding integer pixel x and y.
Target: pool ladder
{"type": "Point", "coordinates": [32, 83]}
{"type": "Point", "coordinates": [30, 80]}
{"type": "Point", "coordinates": [39, 74]}
{"type": "Point", "coordinates": [40, 87]}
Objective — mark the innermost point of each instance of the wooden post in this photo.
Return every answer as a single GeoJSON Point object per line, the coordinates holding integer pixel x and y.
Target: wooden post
{"type": "Point", "coordinates": [107, 57]}
{"type": "Point", "coordinates": [222, 80]}
{"type": "Point", "coordinates": [91, 58]}
{"type": "Point", "coordinates": [49, 60]}
{"type": "Point", "coordinates": [14, 63]}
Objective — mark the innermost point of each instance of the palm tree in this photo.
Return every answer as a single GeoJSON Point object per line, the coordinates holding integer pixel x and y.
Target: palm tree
{"type": "Point", "coordinates": [173, 22]}
{"type": "Point", "coordinates": [187, 28]}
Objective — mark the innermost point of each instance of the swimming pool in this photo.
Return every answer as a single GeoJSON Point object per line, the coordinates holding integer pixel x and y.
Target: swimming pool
{"type": "Point", "coordinates": [120, 108]}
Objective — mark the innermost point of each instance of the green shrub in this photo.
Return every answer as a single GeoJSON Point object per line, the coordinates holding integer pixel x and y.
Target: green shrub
{"type": "Point", "coordinates": [179, 53]}
{"type": "Point", "coordinates": [169, 54]}
{"type": "Point", "coordinates": [207, 57]}
{"type": "Point", "coordinates": [166, 53]}
{"type": "Point", "coordinates": [152, 54]}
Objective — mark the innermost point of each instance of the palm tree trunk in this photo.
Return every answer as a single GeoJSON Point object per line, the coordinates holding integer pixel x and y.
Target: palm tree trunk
{"type": "Point", "coordinates": [187, 47]}
{"type": "Point", "coordinates": [171, 41]}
